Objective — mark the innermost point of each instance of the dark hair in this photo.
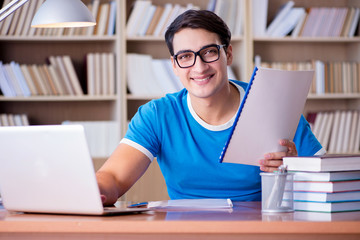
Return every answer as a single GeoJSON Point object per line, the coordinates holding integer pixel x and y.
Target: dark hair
{"type": "Point", "coordinates": [198, 19]}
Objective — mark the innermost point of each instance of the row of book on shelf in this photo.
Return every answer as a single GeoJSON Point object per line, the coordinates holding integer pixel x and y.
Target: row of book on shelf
{"type": "Point", "coordinates": [298, 21]}
{"type": "Point", "coordinates": [148, 77]}
{"type": "Point", "coordinates": [58, 78]}
{"type": "Point", "coordinates": [102, 136]}
{"type": "Point", "coordinates": [18, 24]}
{"type": "Point", "coordinates": [10, 119]}
{"type": "Point", "coordinates": [328, 183]}
{"type": "Point", "coordinates": [330, 77]}
{"type": "Point", "coordinates": [337, 131]}
{"type": "Point", "coordinates": [147, 19]}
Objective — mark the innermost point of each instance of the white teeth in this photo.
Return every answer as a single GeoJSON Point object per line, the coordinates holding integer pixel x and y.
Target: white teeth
{"type": "Point", "coordinates": [201, 80]}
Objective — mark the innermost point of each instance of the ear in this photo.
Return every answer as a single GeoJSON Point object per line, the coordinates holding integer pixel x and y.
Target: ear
{"type": "Point", "coordinates": [174, 66]}
{"type": "Point", "coordinates": [229, 55]}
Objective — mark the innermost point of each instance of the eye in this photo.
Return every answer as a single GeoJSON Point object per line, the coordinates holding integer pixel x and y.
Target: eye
{"type": "Point", "coordinates": [185, 56]}
{"type": "Point", "coordinates": [210, 51]}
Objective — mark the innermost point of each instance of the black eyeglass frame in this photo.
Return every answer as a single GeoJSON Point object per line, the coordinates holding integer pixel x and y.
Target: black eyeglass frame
{"type": "Point", "coordinates": [198, 54]}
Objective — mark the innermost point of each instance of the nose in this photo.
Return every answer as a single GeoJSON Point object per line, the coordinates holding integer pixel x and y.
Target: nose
{"type": "Point", "coordinates": [199, 65]}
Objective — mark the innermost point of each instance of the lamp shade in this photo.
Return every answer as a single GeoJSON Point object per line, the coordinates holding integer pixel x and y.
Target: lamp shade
{"type": "Point", "coordinates": [63, 13]}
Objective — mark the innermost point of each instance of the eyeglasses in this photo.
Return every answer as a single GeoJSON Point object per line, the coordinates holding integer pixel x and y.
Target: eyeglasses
{"type": "Point", "coordinates": [208, 54]}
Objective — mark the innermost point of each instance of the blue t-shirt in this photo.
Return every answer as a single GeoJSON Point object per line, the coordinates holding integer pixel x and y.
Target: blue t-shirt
{"type": "Point", "coordinates": [187, 150]}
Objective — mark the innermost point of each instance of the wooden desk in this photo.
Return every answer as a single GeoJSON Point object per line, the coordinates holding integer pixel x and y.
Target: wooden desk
{"type": "Point", "coordinates": [245, 221]}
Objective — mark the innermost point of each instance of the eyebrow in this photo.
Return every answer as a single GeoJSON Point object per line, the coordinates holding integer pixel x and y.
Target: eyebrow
{"type": "Point", "coordinates": [189, 50]}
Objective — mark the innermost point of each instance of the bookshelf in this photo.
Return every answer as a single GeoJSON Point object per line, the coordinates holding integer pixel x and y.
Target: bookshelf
{"type": "Point", "coordinates": [122, 105]}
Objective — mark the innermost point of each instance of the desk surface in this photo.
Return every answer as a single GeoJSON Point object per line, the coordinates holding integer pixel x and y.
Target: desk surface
{"type": "Point", "coordinates": [245, 220]}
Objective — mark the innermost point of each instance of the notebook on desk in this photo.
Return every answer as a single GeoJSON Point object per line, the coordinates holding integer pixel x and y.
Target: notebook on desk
{"type": "Point", "coordinates": [48, 169]}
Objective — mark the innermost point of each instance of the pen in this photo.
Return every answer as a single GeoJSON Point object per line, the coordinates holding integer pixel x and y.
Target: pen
{"type": "Point", "coordinates": [138, 205]}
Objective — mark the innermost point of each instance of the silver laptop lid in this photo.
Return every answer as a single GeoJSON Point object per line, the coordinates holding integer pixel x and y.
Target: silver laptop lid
{"type": "Point", "coordinates": [47, 169]}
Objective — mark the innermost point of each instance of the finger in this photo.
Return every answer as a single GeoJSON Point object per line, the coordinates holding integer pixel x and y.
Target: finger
{"type": "Point", "coordinates": [275, 155]}
{"type": "Point", "coordinates": [292, 151]}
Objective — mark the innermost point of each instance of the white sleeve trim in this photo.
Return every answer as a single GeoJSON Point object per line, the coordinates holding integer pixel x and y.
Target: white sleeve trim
{"type": "Point", "coordinates": [138, 147]}
{"type": "Point", "coordinates": [322, 151]}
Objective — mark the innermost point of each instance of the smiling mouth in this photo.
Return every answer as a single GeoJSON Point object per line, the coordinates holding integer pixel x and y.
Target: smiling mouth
{"type": "Point", "coordinates": [202, 79]}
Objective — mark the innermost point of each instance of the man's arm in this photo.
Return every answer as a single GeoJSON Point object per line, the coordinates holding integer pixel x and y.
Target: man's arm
{"type": "Point", "coordinates": [272, 161]}
{"type": "Point", "coordinates": [123, 168]}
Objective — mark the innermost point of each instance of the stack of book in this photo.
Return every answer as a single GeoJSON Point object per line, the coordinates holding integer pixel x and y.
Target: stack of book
{"type": "Point", "coordinates": [57, 78]}
{"type": "Point", "coordinates": [337, 131]}
{"type": "Point", "coordinates": [147, 19]}
{"type": "Point", "coordinates": [10, 119]}
{"type": "Point", "coordinates": [330, 77]}
{"type": "Point", "coordinates": [329, 183]}
{"type": "Point", "coordinates": [297, 21]}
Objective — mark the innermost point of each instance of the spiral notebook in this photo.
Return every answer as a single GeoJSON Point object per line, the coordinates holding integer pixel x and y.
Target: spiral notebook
{"type": "Point", "coordinates": [270, 111]}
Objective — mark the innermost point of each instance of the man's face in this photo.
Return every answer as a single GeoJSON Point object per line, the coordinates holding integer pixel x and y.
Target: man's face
{"type": "Point", "coordinates": [203, 80]}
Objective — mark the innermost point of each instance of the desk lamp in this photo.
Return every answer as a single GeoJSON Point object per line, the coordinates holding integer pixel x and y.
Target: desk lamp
{"type": "Point", "coordinates": [55, 13]}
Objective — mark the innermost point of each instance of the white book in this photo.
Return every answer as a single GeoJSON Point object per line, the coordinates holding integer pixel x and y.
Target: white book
{"type": "Point", "coordinates": [320, 77]}
{"type": "Point", "coordinates": [5, 85]}
{"type": "Point", "coordinates": [103, 19]}
{"type": "Point", "coordinates": [64, 75]}
{"type": "Point", "coordinates": [289, 22]}
{"type": "Point", "coordinates": [32, 31]}
{"type": "Point", "coordinates": [289, 90]}
{"type": "Point", "coordinates": [57, 79]}
{"type": "Point", "coordinates": [347, 129]}
{"type": "Point", "coordinates": [259, 17]}
{"type": "Point", "coordinates": [321, 127]}
{"type": "Point", "coordinates": [28, 79]}
{"type": "Point", "coordinates": [48, 79]}
{"type": "Point", "coordinates": [162, 77]}
{"type": "Point", "coordinates": [23, 15]}
{"type": "Point", "coordinates": [104, 74]}
{"type": "Point", "coordinates": [137, 16]}
{"type": "Point", "coordinates": [42, 89]}
{"type": "Point", "coordinates": [353, 129]}
{"type": "Point", "coordinates": [94, 11]}
{"type": "Point", "coordinates": [72, 75]}
{"type": "Point", "coordinates": [146, 21]}
{"type": "Point", "coordinates": [134, 82]}
{"type": "Point", "coordinates": [317, 124]}
{"type": "Point", "coordinates": [17, 120]}
{"type": "Point", "coordinates": [4, 119]}
{"type": "Point", "coordinates": [339, 24]}
{"type": "Point", "coordinates": [10, 76]}
{"type": "Point", "coordinates": [90, 72]}
{"type": "Point", "coordinates": [282, 12]}
{"type": "Point", "coordinates": [357, 136]}
{"type": "Point", "coordinates": [111, 73]}
{"type": "Point", "coordinates": [239, 20]}
{"type": "Point", "coordinates": [20, 78]}
{"type": "Point", "coordinates": [176, 10]}
{"type": "Point", "coordinates": [112, 19]}
{"type": "Point", "coordinates": [154, 85]}
{"type": "Point", "coordinates": [334, 132]}
{"type": "Point", "coordinates": [175, 79]}
{"type": "Point", "coordinates": [97, 86]}
{"type": "Point", "coordinates": [24, 120]}
{"type": "Point", "coordinates": [167, 10]}
{"type": "Point", "coordinates": [15, 21]}
{"type": "Point", "coordinates": [56, 68]}
{"type": "Point", "coordinates": [341, 133]}
{"type": "Point", "coordinates": [299, 25]}
{"type": "Point", "coordinates": [42, 79]}
{"type": "Point", "coordinates": [327, 130]}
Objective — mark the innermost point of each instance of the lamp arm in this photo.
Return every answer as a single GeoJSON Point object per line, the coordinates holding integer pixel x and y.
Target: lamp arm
{"type": "Point", "coordinates": [10, 8]}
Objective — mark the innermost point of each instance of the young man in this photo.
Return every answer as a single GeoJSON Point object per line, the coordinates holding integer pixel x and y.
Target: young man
{"type": "Point", "coordinates": [186, 131]}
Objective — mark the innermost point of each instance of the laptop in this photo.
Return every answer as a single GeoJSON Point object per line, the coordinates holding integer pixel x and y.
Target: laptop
{"type": "Point", "coordinates": [48, 169]}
